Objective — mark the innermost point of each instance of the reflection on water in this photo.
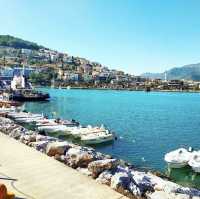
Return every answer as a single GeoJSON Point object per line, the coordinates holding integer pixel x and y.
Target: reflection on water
{"type": "Point", "coordinates": [184, 176]}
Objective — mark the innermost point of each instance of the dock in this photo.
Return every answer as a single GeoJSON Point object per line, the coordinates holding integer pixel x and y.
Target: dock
{"type": "Point", "coordinates": [33, 175]}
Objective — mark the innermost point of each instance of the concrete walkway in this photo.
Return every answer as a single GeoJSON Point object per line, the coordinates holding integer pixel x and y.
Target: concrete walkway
{"type": "Point", "coordinates": [31, 174]}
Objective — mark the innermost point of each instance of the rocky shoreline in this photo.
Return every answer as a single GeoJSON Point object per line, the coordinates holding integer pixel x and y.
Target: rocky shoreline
{"type": "Point", "coordinates": [119, 175]}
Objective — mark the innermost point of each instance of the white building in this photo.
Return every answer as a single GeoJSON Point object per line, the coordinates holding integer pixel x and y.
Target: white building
{"type": "Point", "coordinates": [26, 51]}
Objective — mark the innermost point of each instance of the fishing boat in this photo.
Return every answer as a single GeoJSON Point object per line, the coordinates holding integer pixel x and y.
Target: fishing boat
{"type": "Point", "coordinates": [7, 109]}
{"type": "Point", "coordinates": [54, 122]}
{"type": "Point", "coordinates": [29, 119]}
{"type": "Point", "coordinates": [178, 158]}
{"type": "Point", "coordinates": [80, 131]}
{"type": "Point", "coordinates": [6, 101]}
{"type": "Point", "coordinates": [46, 122]}
{"type": "Point", "coordinates": [22, 90]}
{"type": "Point", "coordinates": [97, 138]}
{"type": "Point", "coordinates": [54, 128]}
{"type": "Point", "coordinates": [17, 115]}
{"type": "Point", "coordinates": [195, 161]}
{"type": "Point", "coordinates": [28, 95]}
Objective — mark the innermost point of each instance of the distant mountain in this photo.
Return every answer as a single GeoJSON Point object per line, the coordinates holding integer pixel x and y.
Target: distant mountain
{"type": "Point", "coordinates": [187, 72]}
{"type": "Point", "coordinates": [153, 75]}
{"type": "Point", "coordinates": [10, 41]}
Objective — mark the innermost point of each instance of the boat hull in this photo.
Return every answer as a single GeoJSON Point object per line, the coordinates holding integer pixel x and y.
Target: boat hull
{"type": "Point", "coordinates": [98, 141]}
{"type": "Point", "coordinates": [196, 169]}
{"type": "Point", "coordinates": [177, 165]}
{"type": "Point", "coordinates": [21, 98]}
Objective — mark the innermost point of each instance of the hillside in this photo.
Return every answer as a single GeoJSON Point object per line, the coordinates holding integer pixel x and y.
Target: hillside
{"type": "Point", "coordinates": [10, 41]}
{"type": "Point", "coordinates": [187, 72]}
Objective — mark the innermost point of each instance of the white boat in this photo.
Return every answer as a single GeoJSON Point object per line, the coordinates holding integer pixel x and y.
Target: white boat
{"type": "Point", "coordinates": [178, 158]}
{"type": "Point", "coordinates": [97, 138]}
{"type": "Point", "coordinates": [195, 161]}
{"type": "Point", "coordinates": [16, 115]}
{"type": "Point", "coordinates": [80, 131]}
{"type": "Point", "coordinates": [29, 119]}
{"type": "Point", "coordinates": [46, 122]}
{"type": "Point", "coordinates": [53, 122]}
{"type": "Point", "coordinates": [7, 110]}
{"type": "Point", "coordinates": [54, 128]}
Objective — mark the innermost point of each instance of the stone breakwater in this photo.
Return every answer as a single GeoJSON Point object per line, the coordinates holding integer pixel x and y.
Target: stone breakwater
{"type": "Point", "coordinates": [105, 169]}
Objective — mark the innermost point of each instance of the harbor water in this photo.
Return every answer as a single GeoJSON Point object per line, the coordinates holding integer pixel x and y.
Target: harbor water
{"type": "Point", "coordinates": [147, 125]}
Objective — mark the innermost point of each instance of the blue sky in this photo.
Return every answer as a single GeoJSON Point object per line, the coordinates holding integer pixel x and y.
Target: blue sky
{"type": "Point", "coordinates": [132, 35]}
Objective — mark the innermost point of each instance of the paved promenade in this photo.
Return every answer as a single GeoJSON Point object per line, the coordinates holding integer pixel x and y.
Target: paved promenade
{"type": "Point", "coordinates": [33, 175]}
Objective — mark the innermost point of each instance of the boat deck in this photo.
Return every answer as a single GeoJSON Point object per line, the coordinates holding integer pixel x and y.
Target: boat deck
{"type": "Point", "coordinates": [33, 175]}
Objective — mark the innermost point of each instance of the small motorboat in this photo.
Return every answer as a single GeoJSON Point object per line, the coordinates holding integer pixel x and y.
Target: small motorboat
{"type": "Point", "coordinates": [29, 119]}
{"type": "Point", "coordinates": [54, 128]}
{"type": "Point", "coordinates": [53, 122]}
{"type": "Point", "coordinates": [17, 115]}
{"type": "Point", "coordinates": [97, 138]}
{"type": "Point", "coordinates": [46, 122]}
{"type": "Point", "coordinates": [195, 161]}
{"type": "Point", "coordinates": [7, 109]}
{"type": "Point", "coordinates": [178, 158]}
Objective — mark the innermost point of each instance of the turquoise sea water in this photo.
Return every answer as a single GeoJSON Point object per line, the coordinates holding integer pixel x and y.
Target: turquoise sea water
{"type": "Point", "coordinates": [147, 124]}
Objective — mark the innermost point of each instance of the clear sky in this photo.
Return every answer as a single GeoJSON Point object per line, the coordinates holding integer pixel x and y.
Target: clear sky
{"type": "Point", "coordinates": [132, 35]}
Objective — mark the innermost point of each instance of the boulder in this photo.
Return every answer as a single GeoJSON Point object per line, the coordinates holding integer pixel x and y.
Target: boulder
{"type": "Point", "coordinates": [84, 171]}
{"type": "Point", "coordinates": [121, 182]}
{"type": "Point", "coordinates": [188, 191]}
{"type": "Point", "coordinates": [27, 138]}
{"type": "Point", "coordinates": [143, 183]}
{"type": "Point", "coordinates": [165, 195]}
{"type": "Point", "coordinates": [15, 134]}
{"type": "Point", "coordinates": [98, 166]}
{"type": "Point", "coordinates": [59, 148]}
{"type": "Point", "coordinates": [40, 145]}
{"type": "Point", "coordinates": [105, 177]}
{"type": "Point", "coordinates": [41, 138]}
{"type": "Point", "coordinates": [79, 157]}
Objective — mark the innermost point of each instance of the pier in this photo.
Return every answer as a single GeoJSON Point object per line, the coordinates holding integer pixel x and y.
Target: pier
{"type": "Point", "coordinates": [32, 175]}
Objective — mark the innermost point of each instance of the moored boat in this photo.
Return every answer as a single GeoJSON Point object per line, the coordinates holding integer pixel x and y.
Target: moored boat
{"type": "Point", "coordinates": [6, 101]}
{"type": "Point", "coordinates": [178, 158]}
{"type": "Point", "coordinates": [29, 95]}
{"type": "Point", "coordinates": [195, 161]}
{"type": "Point", "coordinates": [97, 138]}
{"type": "Point", "coordinates": [54, 128]}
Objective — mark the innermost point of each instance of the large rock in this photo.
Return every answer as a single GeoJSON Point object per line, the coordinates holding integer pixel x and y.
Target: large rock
{"type": "Point", "coordinates": [143, 183]}
{"type": "Point", "coordinates": [121, 182]}
{"type": "Point", "coordinates": [41, 138]}
{"type": "Point", "coordinates": [16, 134]}
{"type": "Point", "coordinates": [27, 138]}
{"type": "Point", "coordinates": [165, 195]}
{"type": "Point", "coordinates": [155, 182]}
{"type": "Point", "coordinates": [105, 177]}
{"type": "Point", "coordinates": [134, 184]}
{"type": "Point", "coordinates": [40, 145]}
{"type": "Point", "coordinates": [80, 156]}
{"type": "Point", "coordinates": [59, 148]}
{"type": "Point", "coordinates": [98, 166]}
{"type": "Point", "coordinates": [188, 191]}
{"type": "Point", "coordinates": [84, 171]}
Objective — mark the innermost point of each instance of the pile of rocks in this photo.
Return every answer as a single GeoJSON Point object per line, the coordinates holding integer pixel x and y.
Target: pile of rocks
{"type": "Point", "coordinates": [103, 168]}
